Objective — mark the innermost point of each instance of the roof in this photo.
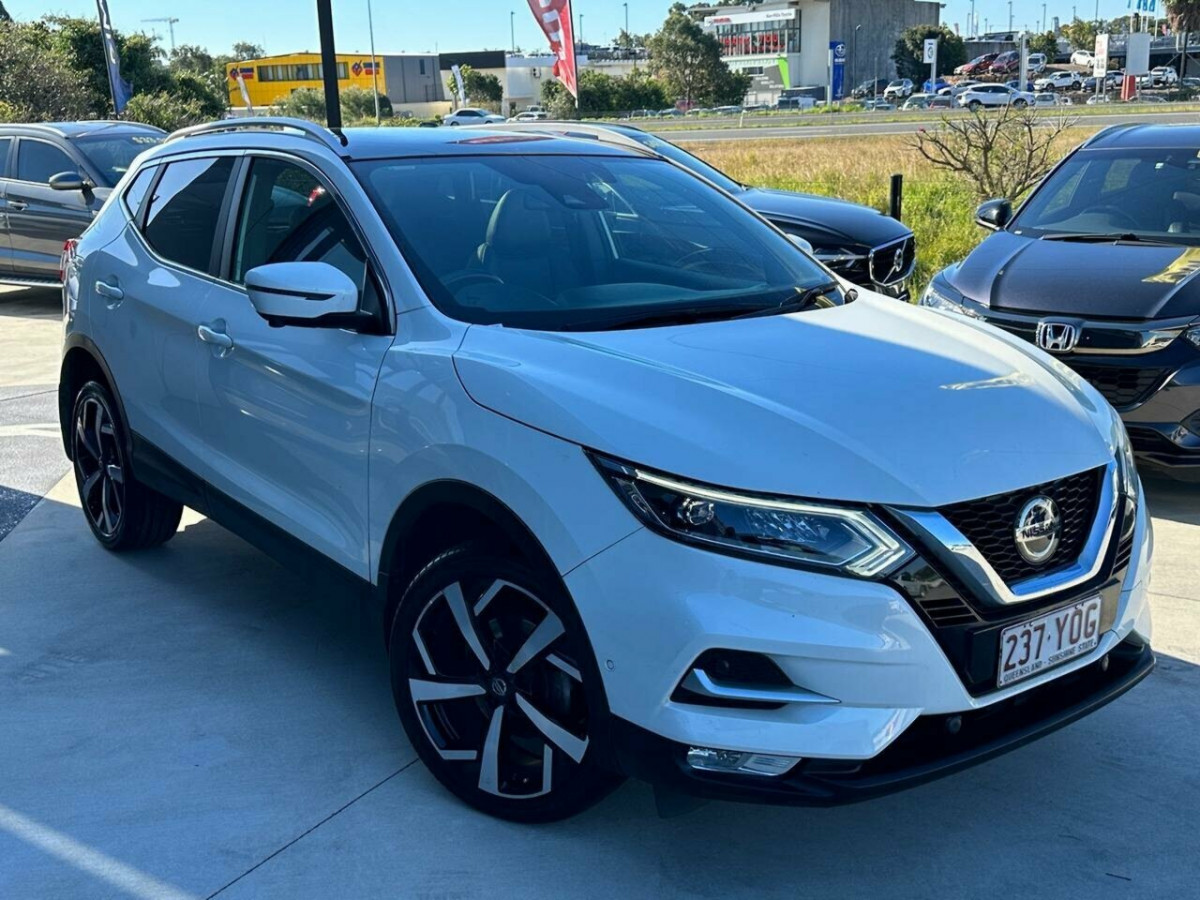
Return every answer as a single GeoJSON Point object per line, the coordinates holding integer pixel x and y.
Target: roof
{"type": "Point", "coordinates": [1165, 137]}
{"type": "Point", "coordinates": [76, 129]}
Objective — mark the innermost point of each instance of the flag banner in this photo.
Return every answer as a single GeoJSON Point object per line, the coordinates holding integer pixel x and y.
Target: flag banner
{"type": "Point", "coordinates": [458, 81]}
{"type": "Point", "coordinates": [122, 90]}
{"type": "Point", "coordinates": [241, 83]}
{"type": "Point", "coordinates": [837, 66]}
{"type": "Point", "coordinates": [554, 17]}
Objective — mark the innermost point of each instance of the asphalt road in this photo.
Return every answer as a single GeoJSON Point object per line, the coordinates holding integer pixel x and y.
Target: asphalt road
{"type": "Point", "coordinates": [700, 133]}
{"type": "Point", "coordinates": [196, 721]}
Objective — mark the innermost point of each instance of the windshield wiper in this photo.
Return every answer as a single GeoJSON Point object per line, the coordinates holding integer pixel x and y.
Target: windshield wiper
{"type": "Point", "coordinates": [1091, 237]}
{"type": "Point", "coordinates": [659, 318]}
{"type": "Point", "coordinates": [802, 299]}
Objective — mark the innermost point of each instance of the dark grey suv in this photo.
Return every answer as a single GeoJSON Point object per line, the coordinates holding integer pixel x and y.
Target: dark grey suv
{"type": "Point", "coordinates": [54, 178]}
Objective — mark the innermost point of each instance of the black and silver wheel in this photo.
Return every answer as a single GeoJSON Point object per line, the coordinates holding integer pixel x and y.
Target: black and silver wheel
{"type": "Point", "coordinates": [497, 689]}
{"type": "Point", "coordinates": [123, 514]}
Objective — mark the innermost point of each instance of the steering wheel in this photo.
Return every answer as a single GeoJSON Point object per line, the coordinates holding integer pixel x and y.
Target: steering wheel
{"type": "Point", "coordinates": [699, 259]}
{"type": "Point", "coordinates": [465, 277]}
{"type": "Point", "coordinates": [1118, 216]}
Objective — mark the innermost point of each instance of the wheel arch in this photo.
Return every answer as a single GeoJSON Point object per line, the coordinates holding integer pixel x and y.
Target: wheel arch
{"type": "Point", "coordinates": [83, 362]}
{"type": "Point", "coordinates": [438, 516]}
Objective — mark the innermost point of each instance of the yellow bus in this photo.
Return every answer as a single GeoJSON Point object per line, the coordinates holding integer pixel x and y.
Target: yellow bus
{"type": "Point", "coordinates": [272, 78]}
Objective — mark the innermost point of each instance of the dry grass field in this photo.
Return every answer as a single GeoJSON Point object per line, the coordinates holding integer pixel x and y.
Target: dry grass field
{"type": "Point", "coordinates": [938, 205]}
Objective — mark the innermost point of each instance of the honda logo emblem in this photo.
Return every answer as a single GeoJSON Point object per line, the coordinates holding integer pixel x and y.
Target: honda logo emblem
{"type": "Point", "coordinates": [1057, 337]}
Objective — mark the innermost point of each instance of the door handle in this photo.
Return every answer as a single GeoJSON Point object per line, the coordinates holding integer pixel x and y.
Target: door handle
{"type": "Point", "coordinates": [111, 291]}
{"type": "Point", "coordinates": [17, 205]}
{"type": "Point", "coordinates": [214, 337]}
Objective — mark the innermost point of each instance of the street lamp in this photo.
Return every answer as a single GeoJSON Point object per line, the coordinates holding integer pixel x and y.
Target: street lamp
{"type": "Point", "coordinates": [512, 29]}
{"type": "Point", "coordinates": [1043, 17]}
{"type": "Point", "coordinates": [1010, 17]}
{"type": "Point", "coordinates": [854, 59]}
{"type": "Point", "coordinates": [374, 65]}
{"type": "Point", "coordinates": [628, 36]}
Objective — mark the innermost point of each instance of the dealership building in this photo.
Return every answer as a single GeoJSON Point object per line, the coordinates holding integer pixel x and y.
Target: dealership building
{"type": "Point", "coordinates": [784, 44]}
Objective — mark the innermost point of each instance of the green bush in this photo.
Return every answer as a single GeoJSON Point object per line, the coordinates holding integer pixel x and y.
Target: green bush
{"type": "Point", "coordinates": [166, 111]}
{"type": "Point", "coordinates": [359, 103]}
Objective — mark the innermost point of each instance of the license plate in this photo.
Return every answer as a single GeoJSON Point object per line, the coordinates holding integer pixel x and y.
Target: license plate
{"type": "Point", "coordinates": [1039, 644]}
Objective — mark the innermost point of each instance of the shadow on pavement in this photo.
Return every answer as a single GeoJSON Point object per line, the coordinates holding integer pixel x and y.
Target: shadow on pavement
{"type": "Point", "coordinates": [31, 303]}
{"type": "Point", "coordinates": [1171, 499]}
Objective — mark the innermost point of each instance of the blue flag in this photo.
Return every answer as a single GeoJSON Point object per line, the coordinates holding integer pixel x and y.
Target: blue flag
{"type": "Point", "coordinates": [122, 90]}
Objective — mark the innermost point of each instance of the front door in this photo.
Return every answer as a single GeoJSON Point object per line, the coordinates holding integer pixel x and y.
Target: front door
{"type": "Point", "coordinates": [286, 411]}
{"type": "Point", "coordinates": [5, 244]}
{"type": "Point", "coordinates": [41, 219]}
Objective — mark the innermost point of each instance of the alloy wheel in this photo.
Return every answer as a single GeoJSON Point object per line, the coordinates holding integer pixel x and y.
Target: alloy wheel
{"type": "Point", "coordinates": [99, 466]}
{"type": "Point", "coordinates": [497, 687]}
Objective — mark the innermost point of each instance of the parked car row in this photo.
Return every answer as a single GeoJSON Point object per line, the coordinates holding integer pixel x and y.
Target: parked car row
{"type": "Point", "coordinates": [638, 484]}
{"type": "Point", "coordinates": [1006, 63]}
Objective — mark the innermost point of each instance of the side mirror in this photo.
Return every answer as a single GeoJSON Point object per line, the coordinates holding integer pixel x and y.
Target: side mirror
{"type": "Point", "coordinates": [313, 294]}
{"type": "Point", "coordinates": [69, 181]}
{"type": "Point", "coordinates": [994, 214]}
{"type": "Point", "coordinates": [803, 244]}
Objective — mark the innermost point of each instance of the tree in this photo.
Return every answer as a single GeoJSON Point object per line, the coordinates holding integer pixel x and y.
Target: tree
{"type": "Point", "coordinates": [359, 103]}
{"type": "Point", "coordinates": [1184, 15]}
{"type": "Point", "coordinates": [4, 16]}
{"type": "Point", "coordinates": [1080, 35]}
{"type": "Point", "coordinates": [304, 103]}
{"type": "Point", "coordinates": [688, 61]}
{"type": "Point", "coordinates": [1002, 154]}
{"type": "Point", "coordinates": [166, 111]}
{"type": "Point", "coordinates": [245, 50]}
{"type": "Point", "coordinates": [910, 51]}
{"type": "Point", "coordinates": [190, 58]}
{"type": "Point", "coordinates": [479, 87]}
{"type": "Point", "coordinates": [58, 92]}
{"type": "Point", "coordinates": [630, 40]}
{"type": "Point", "coordinates": [1044, 43]}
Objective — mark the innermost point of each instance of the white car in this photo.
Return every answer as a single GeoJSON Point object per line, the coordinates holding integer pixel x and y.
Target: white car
{"type": "Point", "coordinates": [1047, 99]}
{"type": "Point", "coordinates": [635, 489]}
{"type": "Point", "coordinates": [1160, 76]}
{"type": "Point", "coordinates": [1036, 63]}
{"type": "Point", "coordinates": [1058, 81]}
{"type": "Point", "coordinates": [990, 95]}
{"type": "Point", "coordinates": [471, 116]}
{"type": "Point", "coordinates": [1083, 58]}
{"type": "Point", "coordinates": [529, 116]}
{"type": "Point", "coordinates": [958, 88]}
{"type": "Point", "coordinates": [898, 89]}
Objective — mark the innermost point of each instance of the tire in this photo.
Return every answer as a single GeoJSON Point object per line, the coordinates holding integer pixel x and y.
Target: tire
{"type": "Point", "coordinates": [526, 745]}
{"type": "Point", "coordinates": [123, 514]}
{"type": "Point", "coordinates": [975, 106]}
{"type": "Point", "coordinates": [1019, 104]}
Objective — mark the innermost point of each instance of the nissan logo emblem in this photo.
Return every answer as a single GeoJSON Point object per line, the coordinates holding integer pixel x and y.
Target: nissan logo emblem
{"type": "Point", "coordinates": [1038, 530]}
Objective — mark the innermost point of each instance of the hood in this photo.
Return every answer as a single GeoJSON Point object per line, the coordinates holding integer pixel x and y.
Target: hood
{"type": "Point", "coordinates": [1123, 281]}
{"type": "Point", "coordinates": [876, 401]}
{"type": "Point", "coordinates": [840, 220]}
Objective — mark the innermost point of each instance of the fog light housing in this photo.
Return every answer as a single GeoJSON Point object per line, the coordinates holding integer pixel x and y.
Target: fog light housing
{"type": "Point", "coordinates": [710, 759]}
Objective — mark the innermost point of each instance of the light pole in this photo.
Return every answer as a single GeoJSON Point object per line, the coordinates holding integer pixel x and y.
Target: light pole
{"type": "Point", "coordinates": [854, 59]}
{"type": "Point", "coordinates": [1010, 17]}
{"type": "Point", "coordinates": [628, 36]}
{"type": "Point", "coordinates": [374, 65]}
{"type": "Point", "coordinates": [581, 28]}
{"type": "Point", "coordinates": [1043, 17]}
{"type": "Point", "coordinates": [971, 21]}
{"type": "Point", "coordinates": [512, 29]}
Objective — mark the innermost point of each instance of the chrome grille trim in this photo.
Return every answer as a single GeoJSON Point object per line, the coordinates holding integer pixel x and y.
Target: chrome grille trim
{"type": "Point", "coordinates": [886, 251]}
{"type": "Point", "coordinates": [965, 561]}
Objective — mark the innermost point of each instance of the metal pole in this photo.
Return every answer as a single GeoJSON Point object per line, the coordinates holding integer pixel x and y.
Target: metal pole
{"type": "Point", "coordinates": [512, 29]}
{"type": "Point", "coordinates": [1010, 15]}
{"type": "Point", "coordinates": [581, 28]}
{"type": "Point", "coordinates": [1043, 18]}
{"type": "Point", "coordinates": [896, 197]}
{"type": "Point", "coordinates": [333, 100]}
{"type": "Point", "coordinates": [971, 21]}
{"type": "Point", "coordinates": [374, 65]}
{"type": "Point", "coordinates": [854, 60]}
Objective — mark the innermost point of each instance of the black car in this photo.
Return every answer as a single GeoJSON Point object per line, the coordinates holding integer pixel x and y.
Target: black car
{"type": "Point", "coordinates": [872, 87]}
{"type": "Point", "coordinates": [1099, 268]}
{"type": "Point", "coordinates": [53, 179]}
{"type": "Point", "coordinates": [861, 244]}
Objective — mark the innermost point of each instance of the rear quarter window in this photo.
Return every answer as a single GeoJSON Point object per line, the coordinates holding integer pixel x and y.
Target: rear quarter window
{"type": "Point", "coordinates": [135, 194]}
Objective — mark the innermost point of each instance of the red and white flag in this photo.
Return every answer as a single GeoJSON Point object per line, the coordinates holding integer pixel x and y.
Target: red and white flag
{"type": "Point", "coordinates": [554, 16]}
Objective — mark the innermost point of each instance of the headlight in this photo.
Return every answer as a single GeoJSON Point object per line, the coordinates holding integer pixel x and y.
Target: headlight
{"type": "Point", "coordinates": [1193, 335]}
{"type": "Point", "coordinates": [1126, 463]}
{"type": "Point", "coordinates": [941, 298]}
{"type": "Point", "coordinates": [788, 531]}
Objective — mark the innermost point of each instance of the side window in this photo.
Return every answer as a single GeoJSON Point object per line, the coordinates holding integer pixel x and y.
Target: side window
{"type": "Point", "coordinates": [181, 220]}
{"type": "Point", "coordinates": [136, 192]}
{"type": "Point", "coordinates": [5, 144]}
{"type": "Point", "coordinates": [287, 215]}
{"type": "Point", "coordinates": [38, 161]}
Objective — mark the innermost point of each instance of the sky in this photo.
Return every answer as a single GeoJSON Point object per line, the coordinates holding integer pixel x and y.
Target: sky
{"type": "Point", "coordinates": [446, 25]}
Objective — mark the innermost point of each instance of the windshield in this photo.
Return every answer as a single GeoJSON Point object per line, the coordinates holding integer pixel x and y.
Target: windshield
{"type": "Point", "coordinates": [1138, 192]}
{"type": "Point", "coordinates": [581, 242]}
{"type": "Point", "coordinates": [681, 157]}
{"type": "Point", "coordinates": [111, 154]}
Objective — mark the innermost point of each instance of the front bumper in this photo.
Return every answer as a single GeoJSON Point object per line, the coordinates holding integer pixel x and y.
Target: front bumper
{"type": "Point", "coordinates": [652, 607]}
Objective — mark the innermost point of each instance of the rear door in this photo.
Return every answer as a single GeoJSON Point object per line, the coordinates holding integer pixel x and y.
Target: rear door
{"type": "Point", "coordinates": [152, 288]}
{"type": "Point", "coordinates": [41, 219]}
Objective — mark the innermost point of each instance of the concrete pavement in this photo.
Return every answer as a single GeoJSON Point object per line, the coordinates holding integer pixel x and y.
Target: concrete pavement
{"type": "Point", "coordinates": [195, 721]}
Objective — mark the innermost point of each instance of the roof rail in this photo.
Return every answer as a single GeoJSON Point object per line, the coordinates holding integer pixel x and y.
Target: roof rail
{"type": "Point", "coordinates": [300, 127]}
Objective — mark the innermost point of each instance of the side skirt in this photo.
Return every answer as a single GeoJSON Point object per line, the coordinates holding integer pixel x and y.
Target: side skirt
{"type": "Point", "coordinates": [155, 469]}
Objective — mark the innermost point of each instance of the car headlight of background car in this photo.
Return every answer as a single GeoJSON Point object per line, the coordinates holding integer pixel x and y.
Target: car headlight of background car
{"type": "Point", "coordinates": [851, 541]}
{"type": "Point", "coordinates": [1125, 461]}
{"type": "Point", "coordinates": [1193, 334]}
{"type": "Point", "coordinates": [941, 296]}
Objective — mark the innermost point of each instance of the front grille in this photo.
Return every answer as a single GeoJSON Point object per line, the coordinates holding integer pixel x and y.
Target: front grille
{"type": "Point", "coordinates": [989, 523]}
{"type": "Point", "coordinates": [855, 270]}
{"type": "Point", "coordinates": [947, 611]}
{"type": "Point", "coordinates": [1120, 386]}
{"type": "Point", "coordinates": [884, 260]}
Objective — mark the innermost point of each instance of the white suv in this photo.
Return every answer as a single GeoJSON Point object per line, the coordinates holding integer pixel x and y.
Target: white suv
{"type": "Point", "coordinates": [637, 489]}
{"type": "Point", "coordinates": [985, 95]}
{"type": "Point", "coordinates": [1062, 81]}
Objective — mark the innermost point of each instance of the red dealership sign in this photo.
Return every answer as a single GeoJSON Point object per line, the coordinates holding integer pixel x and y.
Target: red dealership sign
{"type": "Point", "coordinates": [554, 16]}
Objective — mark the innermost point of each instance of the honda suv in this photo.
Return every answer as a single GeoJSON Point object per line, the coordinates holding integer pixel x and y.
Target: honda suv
{"type": "Point", "coordinates": [1098, 268]}
{"type": "Point", "coordinates": [53, 180]}
{"type": "Point", "coordinates": [636, 490]}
